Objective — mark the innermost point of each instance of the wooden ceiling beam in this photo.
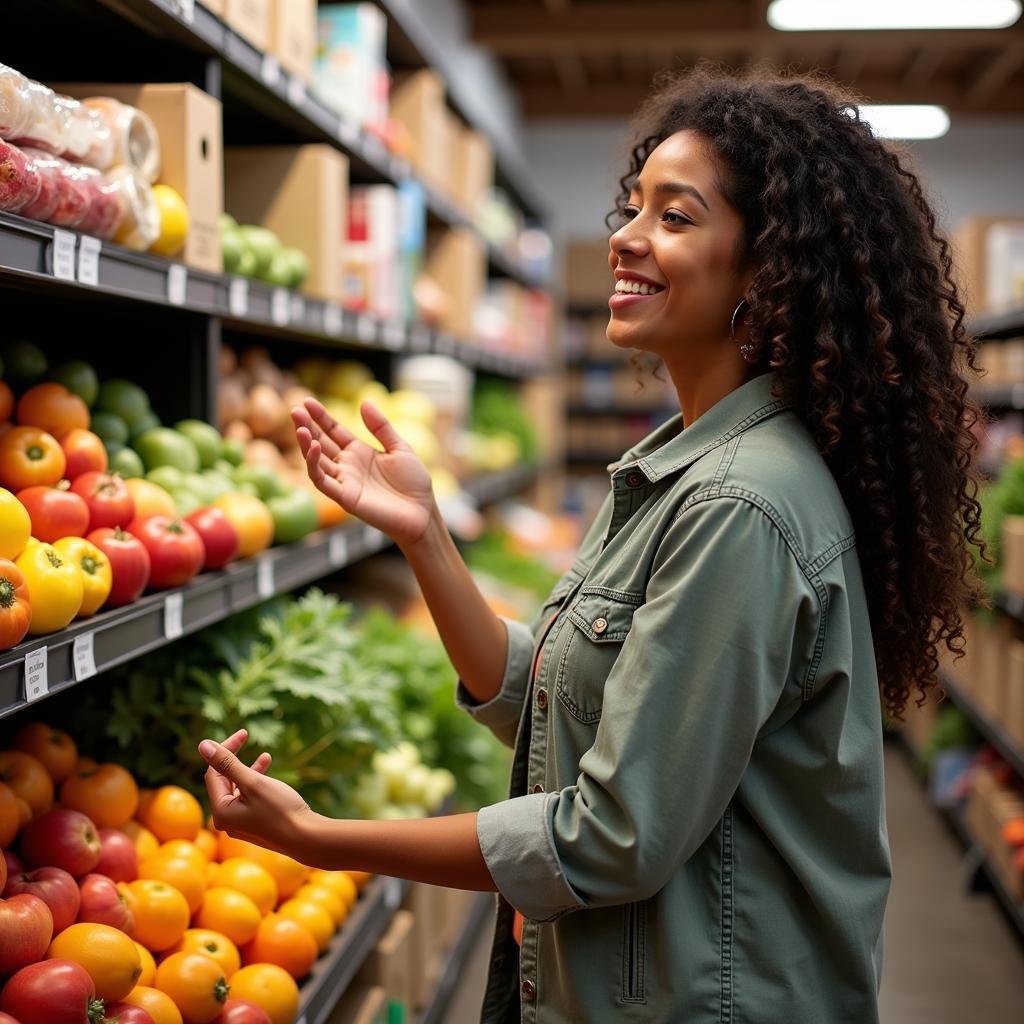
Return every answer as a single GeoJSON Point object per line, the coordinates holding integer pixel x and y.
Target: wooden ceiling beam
{"type": "Point", "coordinates": [572, 74]}
{"type": "Point", "coordinates": [997, 74]}
{"type": "Point", "coordinates": [924, 65]}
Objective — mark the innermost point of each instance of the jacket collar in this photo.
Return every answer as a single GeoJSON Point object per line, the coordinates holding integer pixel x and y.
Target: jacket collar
{"type": "Point", "coordinates": [671, 448]}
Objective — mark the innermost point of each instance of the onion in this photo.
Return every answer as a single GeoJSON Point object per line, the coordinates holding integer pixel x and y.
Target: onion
{"type": "Point", "coordinates": [266, 410]}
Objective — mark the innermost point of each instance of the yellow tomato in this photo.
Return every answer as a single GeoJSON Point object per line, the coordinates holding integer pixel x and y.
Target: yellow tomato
{"type": "Point", "coordinates": [229, 912]}
{"type": "Point", "coordinates": [331, 902]}
{"type": "Point", "coordinates": [150, 498]}
{"type": "Point", "coordinates": [312, 917]}
{"type": "Point", "coordinates": [195, 983]}
{"type": "Point", "coordinates": [271, 988]}
{"type": "Point", "coordinates": [95, 568]}
{"type": "Point", "coordinates": [108, 956]}
{"type": "Point", "coordinates": [188, 878]}
{"type": "Point", "coordinates": [185, 849]}
{"type": "Point", "coordinates": [251, 518]}
{"type": "Point", "coordinates": [15, 525]}
{"type": "Point", "coordinates": [157, 1004]}
{"type": "Point", "coordinates": [161, 912]}
{"type": "Point", "coordinates": [172, 813]}
{"type": "Point", "coordinates": [250, 878]}
{"type": "Point", "coordinates": [289, 874]}
{"type": "Point", "coordinates": [339, 882]}
{"type": "Point", "coordinates": [206, 843]}
{"type": "Point", "coordinates": [174, 221]}
{"type": "Point", "coordinates": [148, 965]}
{"type": "Point", "coordinates": [146, 844]}
{"type": "Point", "coordinates": [212, 944]}
{"type": "Point", "coordinates": [54, 585]}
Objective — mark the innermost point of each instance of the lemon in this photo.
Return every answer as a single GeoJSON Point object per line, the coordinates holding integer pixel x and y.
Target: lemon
{"type": "Point", "coordinates": [173, 221]}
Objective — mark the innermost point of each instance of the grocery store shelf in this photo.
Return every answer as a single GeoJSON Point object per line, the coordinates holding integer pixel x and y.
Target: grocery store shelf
{"type": "Point", "coordinates": [479, 913]}
{"type": "Point", "coordinates": [41, 666]}
{"type": "Point", "coordinates": [993, 326]}
{"type": "Point", "coordinates": [28, 250]}
{"type": "Point", "coordinates": [990, 730]}
{"type": "Point", "coordinates": [593, 458]}
{"type": "Point", "coordinates": [611, 409]}
{"type": "Point", "coordinates": [1009, 396]}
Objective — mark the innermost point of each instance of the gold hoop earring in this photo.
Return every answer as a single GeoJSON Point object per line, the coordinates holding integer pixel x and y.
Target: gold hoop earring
{"type": "Point", "coordinates": [750, 350]}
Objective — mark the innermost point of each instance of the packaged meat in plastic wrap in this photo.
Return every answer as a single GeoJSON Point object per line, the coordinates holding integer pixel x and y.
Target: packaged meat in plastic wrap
{"type": "Point", "coordinates": [106, 203]}
{"type": "Point", "coordinates": [140, 227]}
{"type": "Point", "coordinates": [15, 103]}
{"type": "Point", "coordinates": [20, 180]}
{"type": "Point", "coordinates": [49, 121]}
{"type": "Point", "coordinates": [89, 138]}
{"type": "Point", "coordinates": [64, 198]}
{"type": "Point", "coordinates": [134, 137]}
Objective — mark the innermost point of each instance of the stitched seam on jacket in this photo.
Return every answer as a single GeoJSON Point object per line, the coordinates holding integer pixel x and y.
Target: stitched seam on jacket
{"type": "Point", "coordinates": [577, 903]}
{"type": "Point", "coordinates": [587, 717]}
{"type": "Point", "coordinates": [725, 1015]}
{"type": "Point", "coordinates": [832, 553]}
{"type": "Point", "coordinates": [625, 596]}
{"type": "Point", "coordinates": [724, 464]}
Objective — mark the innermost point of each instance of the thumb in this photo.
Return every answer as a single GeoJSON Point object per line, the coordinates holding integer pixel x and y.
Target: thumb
{"type": "Point", "coordinates": [221, 760]}
{"type": "Point", "coordinates": [379, 425]}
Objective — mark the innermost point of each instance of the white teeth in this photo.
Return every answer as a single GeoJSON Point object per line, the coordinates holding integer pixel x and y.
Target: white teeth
{"type": "Point", "coordinates": [629, 287]}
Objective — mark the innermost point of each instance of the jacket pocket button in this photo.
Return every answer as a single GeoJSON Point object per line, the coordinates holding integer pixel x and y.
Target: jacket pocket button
{"type": "Point", "coordinates": [528, 990]}
{"type": "Point", "coordinates": [537, 789]}
{"type": "Point", "coordinates": [542, 698]}
{"type": "Point", "coordinates": [634, 480]}
{"type": "Point", "coordinates": [600, 625]}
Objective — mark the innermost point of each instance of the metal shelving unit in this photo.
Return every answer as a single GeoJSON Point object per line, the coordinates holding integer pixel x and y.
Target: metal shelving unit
{"type": "Point", "coordinates": [995, 326]}
{"type": "Point", "coordinates": [990, 730]}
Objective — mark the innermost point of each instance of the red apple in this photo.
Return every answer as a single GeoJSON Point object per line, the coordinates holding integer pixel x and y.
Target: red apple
{"type": "Point", "coordinates": [102, 903]}
{"type": "Point", "coordinates": [126, 1013]}
{"type": "Point", "coordinates": [27, 927]}
{"type": "Point", "coordinates": [6, 1018]}
{"type": "Point", "coordinates": [241, 1011]}
{"type": "Point", "coordinates": [15, 865]}
{"type": "Point", "coordinates": [64, 839]}
{"type": "Point", "coordinates": [3, 874]}
{"type": "Point", "coordinates": [53, 992]}
{"type": "Point", "coordinates": [55, 887]}
{"type": "Point", "coordinates": [119, 858]}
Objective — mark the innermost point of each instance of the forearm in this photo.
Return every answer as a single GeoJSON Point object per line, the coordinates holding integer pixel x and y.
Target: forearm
{"type": "Point", "coordinates": [474, 637]}
{"type": "Point", "coordinates": [439, 851]}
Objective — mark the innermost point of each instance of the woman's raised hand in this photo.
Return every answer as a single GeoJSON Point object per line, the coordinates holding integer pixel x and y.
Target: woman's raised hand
{"type": "Point", "coordinates": [390, 490]}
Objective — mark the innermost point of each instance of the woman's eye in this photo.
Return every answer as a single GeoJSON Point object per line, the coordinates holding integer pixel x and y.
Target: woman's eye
{"type": "Point", "coordinates": [672, 217]}
{"type": "Point", "coordinates": [628, 212]}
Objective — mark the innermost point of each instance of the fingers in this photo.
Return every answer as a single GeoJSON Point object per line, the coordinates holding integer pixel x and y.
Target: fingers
{"type": "Point", "coordinates": [323, 473]}
{"type": "Point", "coordinates": [225, 764]}
{"type": "Point", "coordinates": [236, 740]}
{"type": "Point", "coordinates": [262, 763]}
{"type": "Point", "coordinates": [378, 424]}
{"type": "Point", "coordinates": [321, 418]}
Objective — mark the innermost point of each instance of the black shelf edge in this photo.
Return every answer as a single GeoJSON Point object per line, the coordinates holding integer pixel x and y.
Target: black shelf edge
{"type": "Point", "coordinates": [995, 326]}
{"type": "Point", "coordinates": [611, 409]}
{"type": "Point", "coordinates": [588, 458]}
{"type": "Point", "coordinates": [991, 731]}
{"type": "Point", "coordinates": [91, 646]}
{"type": "Point", "coordinates": [437, 1008]}
{"type": "Point", "coordinates": [27, 254]}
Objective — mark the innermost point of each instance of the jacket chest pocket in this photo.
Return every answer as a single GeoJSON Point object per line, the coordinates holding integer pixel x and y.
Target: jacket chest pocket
{"type": "Point", "coordinates": [597, 624]}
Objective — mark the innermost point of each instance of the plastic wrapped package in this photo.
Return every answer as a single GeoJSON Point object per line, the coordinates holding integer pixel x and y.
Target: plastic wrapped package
{"type": "Point", "coordinates": [49, 121]}
{"type": "Point", "coordinates": [140, 227]}
{"type": "Point", "coordinates": [134, 138]}
{"type": "Point", "coordinates": [89, 138]}
{"type": "Point", "coordinates": [15, 103]}
{"type": "Point", "coordinates": [64, 198]}
{"type": "Point", "coordinates": [106, 203]}
{"type": "Point", "coordinates": [20, 180]}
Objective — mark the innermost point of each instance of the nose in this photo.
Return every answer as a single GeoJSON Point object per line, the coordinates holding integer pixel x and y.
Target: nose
{"type": "Point", "coordinates": [629, 240]}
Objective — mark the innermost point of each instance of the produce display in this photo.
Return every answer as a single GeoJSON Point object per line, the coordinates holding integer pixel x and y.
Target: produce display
{"type": "Point", "coordinates": [123, 904]}
{"type": "Point", "coordinates": [252, 251]}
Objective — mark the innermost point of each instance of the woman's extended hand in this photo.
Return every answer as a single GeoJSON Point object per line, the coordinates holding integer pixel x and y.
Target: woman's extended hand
{"type": "Point", "coordinates": [390, 490]}
{"type": "Point", "coordinates": [247, 804]}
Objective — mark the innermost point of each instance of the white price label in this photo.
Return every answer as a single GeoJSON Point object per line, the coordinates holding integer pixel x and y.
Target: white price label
{"type": "Point", "coordinates": [333, 320]}
{"type": "Point", "coordinates": [298, 309]}
{"type": "Point", "coordinates": [420, 339]}
{"type": "Point", "coordinates": [84, 655]}
{"type": "Point", "coordinates": [36, 682]}
{"type": "Point", "coordinates": [394, 335]}
{"type": "Point", "coordinates": [238, 296]}
{"type": "Point", "coordinates": [89, 260]}
{"type": "Point", "coordinates": [296, 91]}
{"type": "Point", "coordinates": [348, 133]}
{"type": "Point", "coordinates": [187, 10]}
{"type": "Point", "coordinates": [366, 328]}
{"type": "Point", "coordinates": [173, 608]}
{"type": "Point", "coordinates": [265, 577]}
{"type": "Point", "coordinates": [337, 550]}
{"type": "Point", "coordinates": [393, 894]}
{"type": "Point", "coordinates": [63, 255]}
{"type": "Point", "coordinates": [270, 70]}
{"type": "Point", "coordinates": [280, 307]}
{"type": "Point", "coordinates": [177, 284]}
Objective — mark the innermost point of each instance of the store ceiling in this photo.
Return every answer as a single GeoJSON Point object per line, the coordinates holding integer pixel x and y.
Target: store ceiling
{"type": "Point", "coordinates": [595, 58]}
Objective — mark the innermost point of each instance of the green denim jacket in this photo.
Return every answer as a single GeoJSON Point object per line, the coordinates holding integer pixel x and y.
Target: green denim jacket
{"type": "Point", "coordinates": [696, 829]}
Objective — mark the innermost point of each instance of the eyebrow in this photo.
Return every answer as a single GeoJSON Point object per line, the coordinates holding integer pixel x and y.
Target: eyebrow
{"type": "Point", "coordinates": [676, 188]}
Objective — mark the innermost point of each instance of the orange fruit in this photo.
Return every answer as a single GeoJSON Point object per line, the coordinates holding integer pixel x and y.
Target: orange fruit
{"type": "Point", "coordinates": [361, 878]}
{"type": "Point", "coordinates": [146, 844]}
{"type": "Point", "coordinates": [108, 956]}
{"type": "Point", "coordinates": [289, 874]}
{"type": "Point", "coordinates": [312, 917]}
{"type": "Point", "coordinates": [188, 878]}
{"type": "Point", "coordinates": [56, 750]}
{"type": "Point", "coordinates": [211, 870]}
{"type": "Point", "coordinates": [229, 912]}
{"type": "Point", "coordinates": [184, 849]}
{"type": "Point", "coordinates": [283, 942]}
{"type": "Point", "coordinates": [24, 811]}
{"type": "Point", "coordinates": [270, 987]}
{"type": "Point", "coordinates": [161, 912]}
{"type": "Point", "coordinates": [332, 903]}
{"type": "Point", "coordinates": [173, 813]}
{"type": "Point", "coordinates": [106, 794]}
{"type": "Point", "coordinates": [157, 1004]}
{"type": "Point", "coordinates": [148, 965]}
{"type": "Point", "coordinates": [28, 778]}
{"type": "Point", "coordinates": [10, 815]}
{"type": "Point", "coordinates": [195, 983]}
{"type": "Point", "coordinates": [244, 875]}
{"type": "Point", "coordinates": [212, 944]}
{"type": "Point", "coordinates": [206, 843]}
{"type": "Point", "coordinates": [339, 882]}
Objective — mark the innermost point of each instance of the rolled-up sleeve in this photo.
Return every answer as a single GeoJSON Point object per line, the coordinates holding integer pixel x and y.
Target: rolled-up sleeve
{"type": "Point", "coordinates": [725, 639]}
{"type": "Point", "coordinates": [501, 713]}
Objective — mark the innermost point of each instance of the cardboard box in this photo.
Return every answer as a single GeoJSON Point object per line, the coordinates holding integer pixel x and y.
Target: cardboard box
{"type": "Point", "coordinates": [250, 19]}
{"type": "Point", "coordinates": [293, 35]}
{"type": "Point", "coordinates": [361, 1004]}
{"type": "Point", "coordinates": [989, 261]}
{"type": "Point", "coordinates": [417, 101]}
{"type": "Point", "coordinates": [1013, 554]}
{"type": "Point", "coordinates": [188, 122]}
{"type": "Point", "coordinates": [390, 964]}
{"type": "Point", "coordinates": [300, 193]}
{"type": "Point", "coordinates": [457, 262]}
{"type": "Point", "coordinates": [472, 169]}
{"type": "Point", "coordinates": [588, 278]}
{"type": "Point", "coordinates": [214, 6]}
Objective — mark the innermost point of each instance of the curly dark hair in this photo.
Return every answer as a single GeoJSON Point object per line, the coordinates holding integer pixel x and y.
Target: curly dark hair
{"type": "Point", "coordinates": [854, 305]}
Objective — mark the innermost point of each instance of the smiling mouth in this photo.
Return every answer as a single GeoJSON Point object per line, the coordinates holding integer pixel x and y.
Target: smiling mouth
{"type": "Point", "coordinates": [628, 287]}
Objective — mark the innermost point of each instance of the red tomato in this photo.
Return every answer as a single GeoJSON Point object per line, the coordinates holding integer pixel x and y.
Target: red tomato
{"type": "Point", "coordinates": [55, 512]}
{"type": "Point", "coordinates": [218, 534]}
{"type": "Point", "coordinates": [15, 609]}
{"type": "Point", "coordinates": [241, 1011]}
{"type": "Point", "coordinates": [109, 500]}
{"type": "Point", "coordinates": [175, 549]}
{"type": "Point", "coordinates": [52, 992]}
{"type": "Point", "coordinates": [85, 453]}
{"type": "Point", "coordinates": [125, 1013]}
{"type": "Point", "coordinates": [51, 407]}
{"type": "Point", "coordinates": [129, 563]}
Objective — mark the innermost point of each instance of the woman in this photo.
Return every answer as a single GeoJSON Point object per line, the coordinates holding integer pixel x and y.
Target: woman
{"type": "Point", "coordinates": [696, 828]}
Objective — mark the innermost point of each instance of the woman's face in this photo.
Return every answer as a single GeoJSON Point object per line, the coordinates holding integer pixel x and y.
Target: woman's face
{"type": "Point", "coordinates": [678, 244]}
